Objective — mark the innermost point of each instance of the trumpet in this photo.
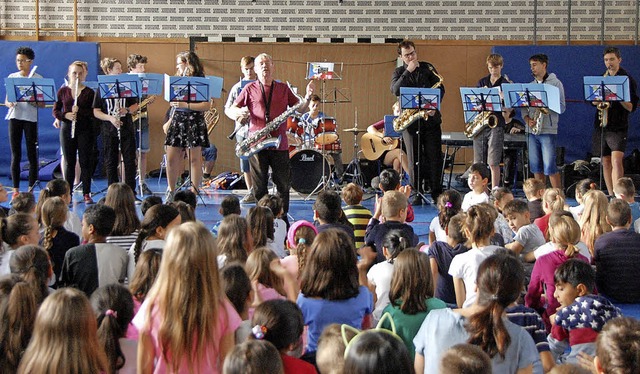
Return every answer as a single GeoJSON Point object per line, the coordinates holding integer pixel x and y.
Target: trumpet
{"type": "Point", "coordinates": [409, 116]}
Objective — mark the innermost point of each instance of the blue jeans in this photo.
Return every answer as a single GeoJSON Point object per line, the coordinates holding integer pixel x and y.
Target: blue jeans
{"type": "Point", "coordinates": [542, 153]}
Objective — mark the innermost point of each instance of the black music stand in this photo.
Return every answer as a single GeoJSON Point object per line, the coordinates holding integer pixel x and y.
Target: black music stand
{"type": "Point", "coordinates": [419, 99]}
{"type": "Point", "coordinates": [32, 90]}
{"type": "Point", "coordinates": [151, 85]}
{"type": "Point", "coordinates": [605, 89]}
{"type": "Point", "coordinates": [121, 86]}
{"type": "Point", "coordinates": [191, 90]}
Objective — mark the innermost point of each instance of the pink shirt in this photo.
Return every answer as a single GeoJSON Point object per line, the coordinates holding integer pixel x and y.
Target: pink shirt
{"type": "Point", "coordinates": [228, 322]}
{"type": "Point", "coordinates": [266, 293]}
{"type": "Point", "coordinates": [251, 97]}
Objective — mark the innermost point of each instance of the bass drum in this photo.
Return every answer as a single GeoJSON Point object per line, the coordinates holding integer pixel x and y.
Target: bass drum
{"type": "Point", "coordinates": [306, 169]}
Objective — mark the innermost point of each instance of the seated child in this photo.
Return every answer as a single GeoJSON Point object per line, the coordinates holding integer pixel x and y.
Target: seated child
{"type": "Point", "coordinates": [479, 175]}
{"type": "Point", "coordinates": [465, 358]}
{"type": "Point", "coordinates": [331, 346]}
{"type": "Point", "coordinates": [229, 205]}
{"type": "Point", "coordinates": [274, 203]}
{"type": "Point", "coordinates": [533, 190]}
{"type": "Point", "coordinates": [528, 236]}
{"type": "Point", "coordinates": [617, 256]}
{"type": "Point", "coordinates": [23, 202]}
{"type": "Point", "coordinates": [617, 349]}
{"type": "Point", "coordinates": [328, 214]}
{"type": "Point", "coordinates": [237, 287]}
{"type": "Point", "coordinates": [299, 240]}
{"type": "Point", "coordinates": [625, 189]}
{"type": "Point", "coordinates": [393, 207]}
{"type": "Point", "coordinates": [449, 204]}
{"type": "Point", "coordinates": [583, 314]}
{"type": "Point", "coordinates": [582, 188]}
{"type": "Point", "coordinates": [96, 263]}
{"type": "Point", "coordinates": [389, 181]}
{"type": "Point", "coordinates": [500, 197]}
{"type": "Point", "coordinates": [552, 201]}
{"type": "Point", "coordinates": [358, 215]}
{"type": "Point", "coordinates": [440, 256]}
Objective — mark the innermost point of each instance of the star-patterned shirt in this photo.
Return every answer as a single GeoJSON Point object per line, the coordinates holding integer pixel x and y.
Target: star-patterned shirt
{"type": "Point", "coordinates": [584, 319]}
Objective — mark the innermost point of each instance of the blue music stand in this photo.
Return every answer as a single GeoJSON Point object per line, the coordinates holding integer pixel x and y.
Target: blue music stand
{"type": "Point", "coordinates": [32, 90]}
{"type": "Point", "coordinates": [388, 128]}
{"type": "Point", "coordinates": [121, 86]}
{"type": "Point", "coordinates": [615, 88]}
{"type": "Point", "coordinates": [420, 98]}
{"type": "Point", "coordinates": [477, 100]}
{"type": "Point", "coordinates": [535, 95]}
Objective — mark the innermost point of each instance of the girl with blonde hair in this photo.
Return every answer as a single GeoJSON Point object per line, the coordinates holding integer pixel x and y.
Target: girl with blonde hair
{"type": "Point", "coordinates": [552, 201]}
{"type": "Point", "coordinates": [593, 221]}
{"type": "Point", "coordinates": [65, 337]}
{"type": "Point", "coordinates": [186, 323]}
{"type": "Point", "coordinates": [565, 235]}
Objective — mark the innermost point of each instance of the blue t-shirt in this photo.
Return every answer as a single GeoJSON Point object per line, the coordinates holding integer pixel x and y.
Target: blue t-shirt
{"type": "Point", "coordinates": [319, 313]}
{"type": "Point", "coordinates": [635, 211]}
{"type": "Point", "coordinates": [444, 328]}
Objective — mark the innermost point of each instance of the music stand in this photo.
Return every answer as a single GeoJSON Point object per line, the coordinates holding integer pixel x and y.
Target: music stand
{"type": "Point", "coordinates": [191, 90]}
{"type": "Point", "coordinates": [150, 85]}
{"type": "Point", "coordinates": [418, 98]}
{"type": "Point", "coordinates": [477, 100]}
{"type": "Point", "coordinates": [605, 89]}
{"type": "Point", "coordinates": [32, 90]}
{"type": "Point", "coordinates": [323, 71]}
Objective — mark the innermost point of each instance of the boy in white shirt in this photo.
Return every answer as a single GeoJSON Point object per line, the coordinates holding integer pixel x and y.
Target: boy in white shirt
{"type": "Point", "coordinates": [478, 180]}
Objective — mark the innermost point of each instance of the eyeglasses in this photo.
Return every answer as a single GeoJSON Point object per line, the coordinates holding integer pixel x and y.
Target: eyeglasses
{"type": "Point", "coordinates": [20, 61]}
{"type": "Point", "coordinates": [409, 54]}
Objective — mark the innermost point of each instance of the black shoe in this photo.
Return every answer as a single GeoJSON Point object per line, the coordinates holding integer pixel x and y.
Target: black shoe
{"type": "Point", "coordinates": [146, 190]}
{"type": "Point", "coordinates": [416, 200]}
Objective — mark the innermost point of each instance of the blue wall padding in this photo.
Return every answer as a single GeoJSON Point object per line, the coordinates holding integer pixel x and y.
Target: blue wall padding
{"type": "Point", "coordinates": [52, 59]}
{"type": "Point", "coordinates": [570, 64]}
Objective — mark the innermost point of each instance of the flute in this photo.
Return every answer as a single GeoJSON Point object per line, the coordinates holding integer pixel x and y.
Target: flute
{"type": "Point", "coordinates": [75, 104]}
{"type": "Point", "coordinates": [10, 111]}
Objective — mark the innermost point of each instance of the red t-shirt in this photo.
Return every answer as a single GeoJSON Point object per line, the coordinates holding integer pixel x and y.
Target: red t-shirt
{"type": "Point", "coordinates": [294, 365]}
{"type": "Point", "coordinates": [252, 98]}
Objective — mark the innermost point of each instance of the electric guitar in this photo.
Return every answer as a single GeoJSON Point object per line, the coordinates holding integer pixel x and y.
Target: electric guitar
{"type": "Point", "coordinates": [373, 147]}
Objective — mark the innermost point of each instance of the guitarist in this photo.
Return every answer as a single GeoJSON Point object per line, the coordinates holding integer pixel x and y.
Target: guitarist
{"type": "Point", "coordinates": [137, 65]}
{"type": "Point", "coordinates": [395, 158]}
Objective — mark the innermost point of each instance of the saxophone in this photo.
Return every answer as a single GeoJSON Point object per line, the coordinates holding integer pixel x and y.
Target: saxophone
{"type": "Point", "coordinates": [538, 117]}
{"type": "Point", "coordinates": [603, 108]}
{"type": "Point", "coordinates": [261, 139]}
{"type": "Point", "coordinates": [409, 116]}
{"type": "Point", "coordinates": [479, 122]}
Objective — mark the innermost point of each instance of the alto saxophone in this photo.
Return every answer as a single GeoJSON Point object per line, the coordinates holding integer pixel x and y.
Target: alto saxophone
{"type": "Point", "coordinates": [261, 139]}
{"type": "Point", "coordinates": [538, 118]}
{"type": "Point", "coordinates": [482, 120]}
{"type": "Point", "coordinates": [409, 116]}
{"type": "Point", "coordinates": [603, 108]}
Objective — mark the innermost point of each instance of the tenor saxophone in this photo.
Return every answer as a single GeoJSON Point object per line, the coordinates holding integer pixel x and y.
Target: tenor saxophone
{"type": "Point", "coordinates": [409, 116]}
{"type": "Point", "coordinates": [482, 120]}
{"type": "Point", "coordinates": [538, 117]}
{"type": "Point", "coordinates": [261, 139]}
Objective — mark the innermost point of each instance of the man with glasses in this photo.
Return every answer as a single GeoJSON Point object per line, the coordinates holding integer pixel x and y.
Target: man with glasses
{"type": "Point", "coordinates": [424, 152]}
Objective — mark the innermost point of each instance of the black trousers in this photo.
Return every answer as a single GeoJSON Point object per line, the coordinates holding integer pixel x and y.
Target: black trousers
{"type": "Point", "coordinates": [280, 173]}
{"type": "Point", "coordinates": [113, 146]}
{"type": "Point", "coordinates": [83, 145]}
{"type": "Point", "coordinates": [424, 156]}
{"type": "Point", "coordinates": [30, 130]}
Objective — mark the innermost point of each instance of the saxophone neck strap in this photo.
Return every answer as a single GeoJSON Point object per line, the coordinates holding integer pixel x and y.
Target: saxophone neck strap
{"type": "Point", "coordinates": [267, 103]}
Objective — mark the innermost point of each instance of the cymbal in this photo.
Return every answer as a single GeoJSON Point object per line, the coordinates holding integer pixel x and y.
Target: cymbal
{"type": "Point", "coordinates": [354, 130]}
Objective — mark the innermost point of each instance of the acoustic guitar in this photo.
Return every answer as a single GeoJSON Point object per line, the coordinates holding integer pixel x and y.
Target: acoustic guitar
{"type": "Point", "coordinates": [373, 147]}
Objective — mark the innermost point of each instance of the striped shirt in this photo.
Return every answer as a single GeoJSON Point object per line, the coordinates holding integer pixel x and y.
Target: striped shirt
{"type": "Point", "coordinates": [531, 321]}
{"type": "Point", "coordinates": [359, 217]}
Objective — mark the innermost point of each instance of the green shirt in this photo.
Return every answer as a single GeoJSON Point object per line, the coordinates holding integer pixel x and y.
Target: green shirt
{"type": "Point", "coordinates": [407, 325]}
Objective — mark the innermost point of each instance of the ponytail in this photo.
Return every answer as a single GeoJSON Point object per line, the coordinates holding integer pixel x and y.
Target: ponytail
{"type": "Point", "coordinates": [395, 242]}
{"type": "Point", "coordinates": [137, 249]}
{"type": "Point", "coordinates": [301, 250]}
{"type": "Point", "coordinates": [160, 215]}
{"type": "Point", "coordinates": [108, 336]}
{"type": "Point", "coordinates": [571, 250]}
{"type": "Point", "coordinates": [113, 307]}
{"type": "Point", "coordinates": [304, 236]}
{"type": "Point", "coordinates": [449, 204]}
{"type": "Point", "coordinates": [47, 237]}
{"type": "Point", "coordinates": [18, 307]}
{"type": "Point", "coordinates": [55, 188]}
{"type": "Point", "coordinates": [32, 264]}
{"type": "Point", "coordinates": [564, 231]}
{"type": "Point", "coordinates": [487, 330]}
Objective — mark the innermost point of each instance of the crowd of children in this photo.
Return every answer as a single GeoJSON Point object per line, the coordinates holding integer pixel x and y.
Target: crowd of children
{"type": "Point", "coordinates": [504, 285]}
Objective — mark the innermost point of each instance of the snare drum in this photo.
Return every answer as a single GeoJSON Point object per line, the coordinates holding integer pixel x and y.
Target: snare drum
{"type": "Point", "coordinates": [294, 132]}
{"type": "Point", "coordinates": [307, 169]}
